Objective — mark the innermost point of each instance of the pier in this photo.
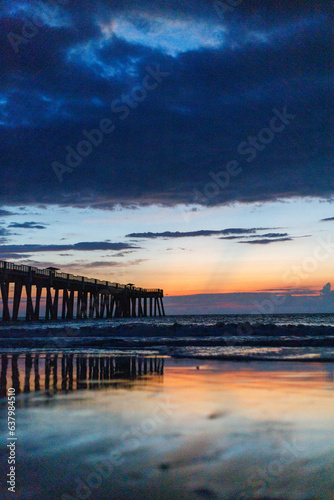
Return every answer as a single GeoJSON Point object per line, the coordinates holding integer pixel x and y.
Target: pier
{"type": "Point", "coordinates": [71, 297]}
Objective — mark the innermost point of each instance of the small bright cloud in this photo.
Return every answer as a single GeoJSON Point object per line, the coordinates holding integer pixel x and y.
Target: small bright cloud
{"type": "Point", "coordinates": [172, 36]}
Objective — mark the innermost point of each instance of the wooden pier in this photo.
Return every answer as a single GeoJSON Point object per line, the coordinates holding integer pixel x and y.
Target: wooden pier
{"type": "Point", "coordinates": [72, 297]}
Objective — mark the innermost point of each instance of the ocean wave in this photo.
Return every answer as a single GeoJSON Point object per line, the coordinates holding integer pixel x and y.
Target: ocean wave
{"type": "Point", "coordinates": [230, 341]}
{"type": "Point", "coordinates": [142, 330]}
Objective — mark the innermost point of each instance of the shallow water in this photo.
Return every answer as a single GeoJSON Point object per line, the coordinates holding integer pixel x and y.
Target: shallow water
{"type": "Point", "coordinates": [106, 427]}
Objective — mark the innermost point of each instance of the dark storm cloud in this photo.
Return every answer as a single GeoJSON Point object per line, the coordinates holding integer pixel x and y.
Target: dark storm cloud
{"type": "Point", "coordinates": [226, 75]}
{"type": "Point", "coordinates": [26, 225]}
{"type": "Point", "coordinates": [82, 246]}
{"type": "Point", "coordinates": [191, 234]}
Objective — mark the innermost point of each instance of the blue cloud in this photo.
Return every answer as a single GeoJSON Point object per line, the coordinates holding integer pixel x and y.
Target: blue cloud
{"type": "Point", "coordinates": [225, 78]}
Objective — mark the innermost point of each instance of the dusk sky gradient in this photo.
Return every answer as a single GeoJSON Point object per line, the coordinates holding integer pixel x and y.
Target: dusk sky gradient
{"type": "Point", "coordinates": [178, 145]}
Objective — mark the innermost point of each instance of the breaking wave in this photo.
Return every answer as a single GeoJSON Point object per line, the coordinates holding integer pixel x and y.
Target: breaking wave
{"type": "Point", "coordinates": [189, 336]}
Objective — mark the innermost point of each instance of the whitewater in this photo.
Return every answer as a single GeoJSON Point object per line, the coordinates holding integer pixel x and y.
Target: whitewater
{"type": "Point", "coordinates": [288, 337]}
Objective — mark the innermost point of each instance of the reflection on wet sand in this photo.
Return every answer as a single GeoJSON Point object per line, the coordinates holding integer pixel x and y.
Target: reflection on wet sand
{"type": "Point", "coordinates": [221, 431]}
{"type": "Point", "coordinates": [68, 371]}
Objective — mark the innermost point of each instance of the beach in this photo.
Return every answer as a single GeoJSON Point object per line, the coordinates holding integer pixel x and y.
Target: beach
{"type": "Point", "coordinates": [164, 428]}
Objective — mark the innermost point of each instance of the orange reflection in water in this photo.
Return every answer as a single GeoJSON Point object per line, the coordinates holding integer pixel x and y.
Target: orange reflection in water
{"type": "Point", "coordinates": [262, 390]}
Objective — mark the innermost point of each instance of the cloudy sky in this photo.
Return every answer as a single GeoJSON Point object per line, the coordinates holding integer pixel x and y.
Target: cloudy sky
{"type": "Point", "coordinates": [172, 144]}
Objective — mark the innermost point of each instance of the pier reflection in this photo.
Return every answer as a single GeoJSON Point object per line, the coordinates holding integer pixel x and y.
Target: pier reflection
{"type": "Point", "coordinates": [63, 372]}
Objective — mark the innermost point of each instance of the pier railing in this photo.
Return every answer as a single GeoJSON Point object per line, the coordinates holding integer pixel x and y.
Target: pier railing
{"type": "Point", "coordinates": [48, 272]}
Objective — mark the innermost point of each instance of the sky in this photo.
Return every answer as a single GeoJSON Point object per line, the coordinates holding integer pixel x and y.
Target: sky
{"type": "Point", "coordinates": [177, 145]}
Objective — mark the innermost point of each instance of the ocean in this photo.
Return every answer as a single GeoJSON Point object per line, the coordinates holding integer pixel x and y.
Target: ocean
{"type": "Point", "coordinates": [297, 337]}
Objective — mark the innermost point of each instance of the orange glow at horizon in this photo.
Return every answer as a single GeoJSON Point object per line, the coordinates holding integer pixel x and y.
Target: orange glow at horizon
{"type": "Point", "coordinates": [205, 267]}
{"type": "Point", "coordinates": [178, 279]}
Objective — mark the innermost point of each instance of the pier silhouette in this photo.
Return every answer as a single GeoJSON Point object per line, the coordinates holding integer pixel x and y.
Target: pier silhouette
{"type": "Point", "coordinates": [70, 297]}
{"type": "Point", "coordinates": [64, 372]}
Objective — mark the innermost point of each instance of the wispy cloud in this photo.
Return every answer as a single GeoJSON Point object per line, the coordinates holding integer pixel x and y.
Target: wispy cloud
{"type": "Point", "coordinates": [26, 225]}
{"type": "Point", "coordinates": [82, 246]}
{"type": "Point", "coordinates": [275, 235]}
{"type": "Point", "coordinates": [12, 255]}
{"type": "Point", "coordinates": [106, 264]}
{"type": "Point", "coordinates": [191, 234]}
{"type": "Point", "coordinates": [5, 213]}
{"type": "Point", "coordinates": [327, 219]}
{"type": "Point", "coordinates": [265, 241]}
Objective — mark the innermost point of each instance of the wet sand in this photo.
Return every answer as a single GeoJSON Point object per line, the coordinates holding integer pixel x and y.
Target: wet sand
{"type": "Point", "coordinates": [191, 430]}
